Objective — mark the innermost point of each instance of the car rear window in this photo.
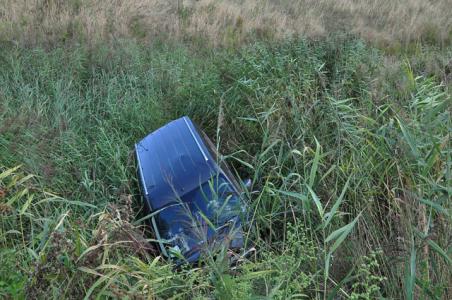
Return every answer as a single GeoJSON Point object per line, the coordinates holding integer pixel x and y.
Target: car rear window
{"type": "Point", "coordinates": [184, 224]}
{"type": "Point", "coordinates": [213, 151]}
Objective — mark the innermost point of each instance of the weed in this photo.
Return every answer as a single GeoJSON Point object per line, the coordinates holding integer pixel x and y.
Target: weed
{"type": "Point", "coordinates": [367, 285]}
{"type": "Point", "coordinates": [226, 23]}
{"type": "Point", "coordinates": [348, 148]}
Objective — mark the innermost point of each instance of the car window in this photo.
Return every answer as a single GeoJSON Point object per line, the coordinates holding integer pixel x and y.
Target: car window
{"type": "Point", "coordinates": [184, 224]}
{"type": "Point", "coordinates": [213, 151]}
{"type": "Point", "coordinates": [214, 199]}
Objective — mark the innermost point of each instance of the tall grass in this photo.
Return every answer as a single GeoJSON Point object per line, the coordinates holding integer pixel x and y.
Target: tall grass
{"type": "Point", "coordinates": [350, 162]}
{"type": "Point", "coordinates": [228, 22]}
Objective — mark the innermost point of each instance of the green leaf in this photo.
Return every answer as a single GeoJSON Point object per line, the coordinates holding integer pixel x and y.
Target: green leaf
{"type": "Point", "coordinates": [336, 204]}
{"type": "Point", "coordinates": [8, 172]}
{"type": "Point", "coordinates": [27, 204]}
{"type": "Point", "coordinates": [341, 238]}
{"type": "Point", "coordinates": [409, 74]}
{"type": "Point", "coordinates": [432, 157]}
{"type": "Point", "coordinates": [317, 202]}
{"type": "Point", "coordinates": [315, 164]}
{"type": "Point", "coordinates": [206, 219]}
{"type": "Point", "coordinates": [440, 251]}
{"type": "Point", "coordinates": [98, 282]}
{"type": "Point", "coordinates": [340, 234]}
{"type": "Point", "coordinates": [295, 195]}
{"type": "Point", "coordinates": [262, 155]}
{"type": "Point", "coordinates": [17, 196]}
{"type": "Point", "coordinates": [327, 264]}
{"type": "Point", "coordinates": [241, 161]}
{"type": "Point", "coordinates": [154, 213]}
{"type": "Point", "coordinates": [336, 233]}
{"type": "Point", "coordinates": [435, 206]}
{"type": "Point", "coordinates": [248, 119]}
{"type": "Point", "coordinates": [410, 276]}
{"type": "Point", "coordinates": [32, 253]}
{"type": "Point", "coordinates": [409, 139]}
{"type": "Point", "coordinates": [62, 200]}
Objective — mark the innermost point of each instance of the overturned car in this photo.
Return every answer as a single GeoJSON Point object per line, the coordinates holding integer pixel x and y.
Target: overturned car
{"type": "Point", "coordinates": [193, 199]}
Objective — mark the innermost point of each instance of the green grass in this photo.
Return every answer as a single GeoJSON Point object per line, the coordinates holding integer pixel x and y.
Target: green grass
{"type": "Point", "coordinates": [349, 150]}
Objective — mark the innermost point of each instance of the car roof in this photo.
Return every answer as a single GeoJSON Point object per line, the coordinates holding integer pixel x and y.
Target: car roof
{"type": "Point", "coordinates": [172, 161]}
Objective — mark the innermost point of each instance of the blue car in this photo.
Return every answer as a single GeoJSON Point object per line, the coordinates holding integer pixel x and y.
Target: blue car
{"type": "Point", "coordinates": [193, 198]}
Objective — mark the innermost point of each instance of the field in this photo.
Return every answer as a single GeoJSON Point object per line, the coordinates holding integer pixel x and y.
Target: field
{"type": "Point", "coordinates": [225, 23]}
{"type": "Point", "coordinates": [344, 129]}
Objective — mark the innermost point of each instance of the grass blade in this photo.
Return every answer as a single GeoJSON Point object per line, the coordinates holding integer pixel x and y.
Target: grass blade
{"type": "Point", "coordinates": [315, 164]}
{"type": "Point", "coordinates": [295, 195]}
{"type": "Point", "coordinates": [336, 205]}
{"type": "Point", "coordinates": [27, 204]}
{"type": "Point", "coordinates": [70, 202]}
{"type": "Point", "coordinates": [317, 202]}
{"type": "Point", "coordinates": [410, 276]}
{"type": "Point", "coordinates": [409, 139]}
{"type": "Point", "coordinates": [435, 206]}
{"type": "Point", "coordinates": [8, 172]}
{"type": "Point", "coordinates": [435, 247]}
{"type": "Point", "coordinates": [340, 234]}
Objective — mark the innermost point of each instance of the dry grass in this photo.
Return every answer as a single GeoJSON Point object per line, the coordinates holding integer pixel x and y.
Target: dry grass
{"type": "Point", "coordinates": [227, 22]}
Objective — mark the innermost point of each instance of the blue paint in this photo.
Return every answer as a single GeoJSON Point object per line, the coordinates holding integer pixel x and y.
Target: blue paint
{"type": "Point", "coordinates": [198, 202]}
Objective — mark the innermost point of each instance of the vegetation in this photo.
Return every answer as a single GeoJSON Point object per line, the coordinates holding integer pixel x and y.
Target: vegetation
{"type": "Point", "coordinates": [344, 128]}
{"type": "Point", "coordinates": [350, 159]}
{"type": "Point", "coordinates": [224, 23]}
